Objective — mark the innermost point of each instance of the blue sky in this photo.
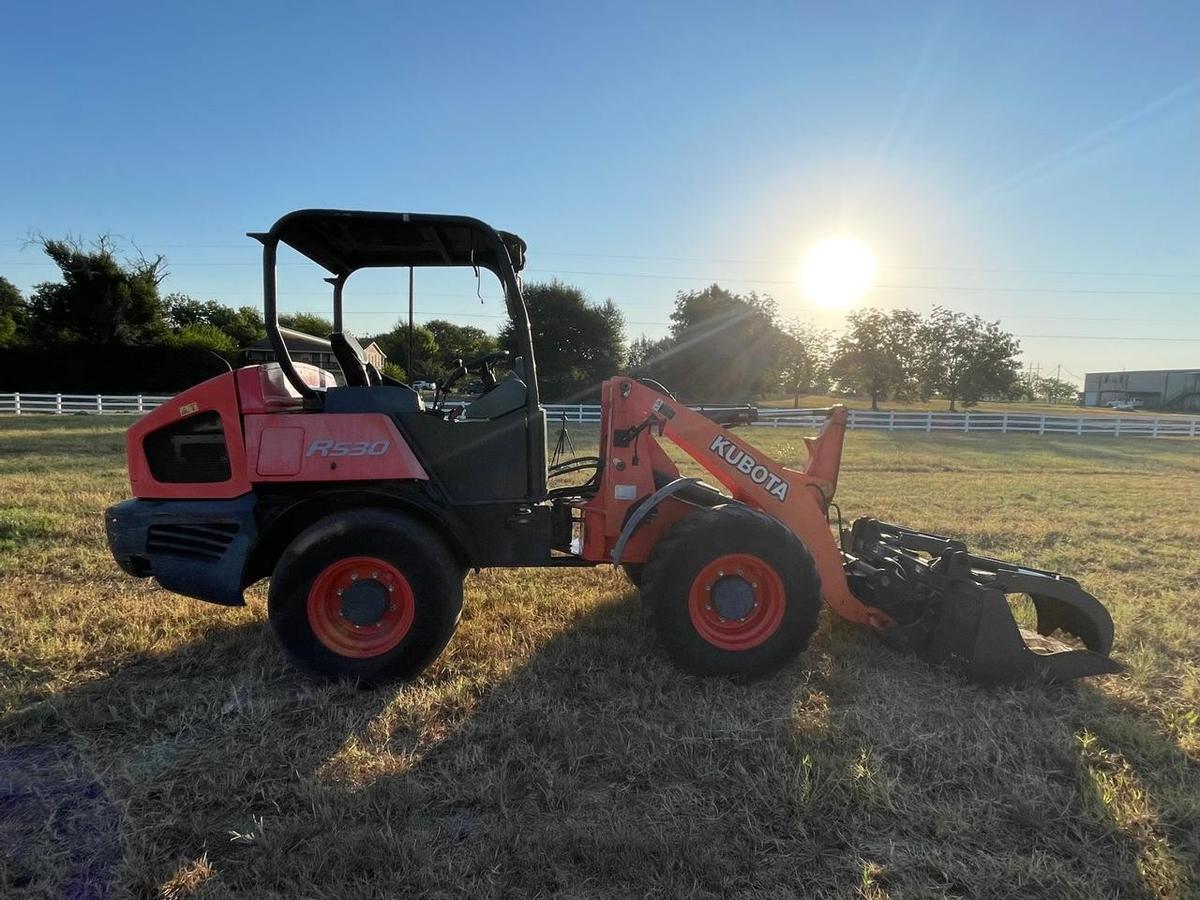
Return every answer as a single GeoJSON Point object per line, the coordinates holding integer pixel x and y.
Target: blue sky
{"type": "Point", "coordinates": [1037, 163]}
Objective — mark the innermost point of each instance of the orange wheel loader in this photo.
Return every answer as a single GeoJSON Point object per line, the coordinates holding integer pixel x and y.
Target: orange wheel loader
{"type": "Point", "coordinates": [365, 507]}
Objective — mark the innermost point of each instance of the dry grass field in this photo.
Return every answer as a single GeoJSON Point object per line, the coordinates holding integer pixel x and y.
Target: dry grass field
{"type": "Point", "coordinates": [152, 745]}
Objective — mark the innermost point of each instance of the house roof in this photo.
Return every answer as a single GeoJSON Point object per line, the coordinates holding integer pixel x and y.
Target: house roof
{"type": "Point", "coordinates": [296, 340]}
{"type": "Point", "coordinates": [307, 343]}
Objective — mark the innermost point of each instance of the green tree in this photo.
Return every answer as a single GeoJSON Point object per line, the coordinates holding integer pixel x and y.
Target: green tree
{"type": "Point", "coordinates": [877, 355]}
{"type": "Point", "coordinates": [309, 323]}
{"type": "Point", "coordinates": [391, 370]}
{"type": "Point", "coordinates": [644, 352]}
{"type": "Point", "coordinates": [243, 326]}
{"type": "Point", "coordinates": [202, 337]}
{"type": "Point", "coordinates": [577, 343]}
{"type": "Point", "coordinates": [1055, 390]}
{"type": "Point", "coordinates": [723, 346]}
{"type": "Point", "coordinates": [100, 300]}
{"type": "Point", "coordinates": [964, 358]}
{"type": "Point", "coordinates": [426, 362]}
{"type": "Point", "coordinates": [464, 342]}
{"type": "Point", "coordinates": [14, 314]}
{"type": "Point", "coordinates": [803, 360]}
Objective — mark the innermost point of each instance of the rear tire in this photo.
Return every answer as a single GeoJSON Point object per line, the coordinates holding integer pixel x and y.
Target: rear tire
{"type": "Point", "coordinates": [633, 571]}
{"type": "Point", "coordinates": [370, 595]}
{"type": "Point", "coordinates": [731, 592]}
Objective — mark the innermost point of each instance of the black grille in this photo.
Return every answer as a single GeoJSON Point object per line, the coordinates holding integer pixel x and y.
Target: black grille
{"type": "Point", "coordinates": [191, 451]}
{"type": "Point", "coordinates": [207, 542]}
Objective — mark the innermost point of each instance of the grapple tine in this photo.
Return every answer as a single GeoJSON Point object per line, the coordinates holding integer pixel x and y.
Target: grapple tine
{"type": "Point", "coordinates": [951, 606]}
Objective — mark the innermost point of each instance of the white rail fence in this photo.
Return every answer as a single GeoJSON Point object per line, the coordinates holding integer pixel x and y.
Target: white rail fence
{"type": "Point", "coordinates": [859, 419]}
{"type": "Point", "coordinates": [63, 404]}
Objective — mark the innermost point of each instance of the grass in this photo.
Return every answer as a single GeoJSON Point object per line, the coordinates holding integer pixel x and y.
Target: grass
{"type": "Point", "coordinates": [152, 745]}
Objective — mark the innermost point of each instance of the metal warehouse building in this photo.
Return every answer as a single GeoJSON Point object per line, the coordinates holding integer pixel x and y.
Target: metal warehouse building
{"type": "Point", "coordinates": [1157, 389]}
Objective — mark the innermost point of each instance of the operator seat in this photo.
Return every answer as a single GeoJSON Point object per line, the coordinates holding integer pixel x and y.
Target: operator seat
{"type": "Point", "coordinates": [506, 396]}
{"type": "Point", "coordinates": [349, 355]}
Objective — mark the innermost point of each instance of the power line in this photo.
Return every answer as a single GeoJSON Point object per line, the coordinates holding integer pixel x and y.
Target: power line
{"type": "Point", "coordinates": [721, 260]}
{"type": "Point", "coordinates": [728, 279]}
{"type": "Point", "coordinates": [905, 287]}
{"type": "Point", "coordinates": [476, 315]}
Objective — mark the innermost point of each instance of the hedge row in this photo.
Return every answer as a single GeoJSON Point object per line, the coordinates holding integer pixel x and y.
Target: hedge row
{"type": "Point", "coordinates": [85, 369]}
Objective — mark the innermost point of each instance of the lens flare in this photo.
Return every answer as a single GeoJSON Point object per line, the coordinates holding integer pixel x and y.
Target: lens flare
{"type": "Point", "coordinates": [837, 272]}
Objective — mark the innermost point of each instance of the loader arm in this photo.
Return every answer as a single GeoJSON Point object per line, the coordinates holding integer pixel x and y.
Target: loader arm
{"type": "Point", "coordinates": [635, 415]}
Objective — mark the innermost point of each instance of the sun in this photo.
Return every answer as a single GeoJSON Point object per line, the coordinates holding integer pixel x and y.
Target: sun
{"type": "Point", "coordinates": [837, 272]}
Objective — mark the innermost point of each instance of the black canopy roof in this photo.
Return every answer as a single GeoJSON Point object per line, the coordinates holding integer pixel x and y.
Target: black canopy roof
{"type": "Point", "coordinates": [345, 240]}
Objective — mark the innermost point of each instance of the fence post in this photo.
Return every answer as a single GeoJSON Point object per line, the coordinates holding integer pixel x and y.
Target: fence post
{"type": "Point", "coordinates": [99, 403]}
{"type": "Point", "coordinates": [1042, 426]}
{"type": "Point", "coordinates": [892, 420]}
{"type": "Point", "coordinates": [17, 403]}
{"type": "Point", "coordinates": [1192, 431]}
{"type": "Point", "coordinates": [1004, 424]}
{"type": "Point", "coordinates": [58, 404]}
{"type": "Point", "coordinates": [1079, 426]}
{"type": "Point", "coordinates": [1117, 428]}
{"type": "Point", "coordinates": [929, 421]}
{"type": "Point", "coordinates": [1154, 433]}
{"type": "Point", "coordinates": [966, 422]}
{"type": "Point", "coordinates": [141, 403]}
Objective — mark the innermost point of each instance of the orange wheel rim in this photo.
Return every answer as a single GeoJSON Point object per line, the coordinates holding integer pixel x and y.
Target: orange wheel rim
{"type": "Point", "coordinates": [737, 601]}
{"type": "Point", "coordinates": [360, 606]}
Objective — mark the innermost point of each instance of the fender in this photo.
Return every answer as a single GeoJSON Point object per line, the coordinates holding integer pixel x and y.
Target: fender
{"type": "Point", "coordinates": [635, 519]}
{"type": "Point", "coordinates": [283, 516]}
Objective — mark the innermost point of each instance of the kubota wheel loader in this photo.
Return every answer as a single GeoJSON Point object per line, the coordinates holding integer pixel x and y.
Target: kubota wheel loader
{"type": "Point", "coordinates": [366, 508]}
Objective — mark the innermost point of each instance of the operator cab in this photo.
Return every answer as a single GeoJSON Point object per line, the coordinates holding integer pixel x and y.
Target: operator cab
{"type": "Point", "coordinates": [492, 450]}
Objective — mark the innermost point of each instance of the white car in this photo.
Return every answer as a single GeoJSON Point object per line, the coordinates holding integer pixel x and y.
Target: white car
{"type": "Point", "coordinates": [1132, 403]}
{"type": "Point", "coordinates": [424, 386]}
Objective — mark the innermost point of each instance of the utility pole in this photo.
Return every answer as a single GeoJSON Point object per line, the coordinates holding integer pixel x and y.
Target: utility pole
{"type": "Point", "coordinates": [409, 372]}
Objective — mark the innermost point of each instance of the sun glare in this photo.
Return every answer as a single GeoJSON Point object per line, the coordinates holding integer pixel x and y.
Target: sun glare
{"type": "Point", "coordinates": [837, 272]}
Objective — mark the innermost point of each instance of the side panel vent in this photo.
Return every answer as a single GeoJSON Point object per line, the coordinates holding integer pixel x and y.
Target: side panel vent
{"type": "Point", "coordinates": [206, 542]}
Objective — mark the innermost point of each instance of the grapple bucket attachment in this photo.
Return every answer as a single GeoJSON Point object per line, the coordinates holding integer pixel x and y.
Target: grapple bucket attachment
{"type": "Point", "coordinates": [952, 607]}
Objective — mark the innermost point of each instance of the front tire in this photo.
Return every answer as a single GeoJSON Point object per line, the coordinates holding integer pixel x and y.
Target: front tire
{"type": "Point", "coordinates": [371, 595]}
{"type": "Point", "coordinates": [731, 592]}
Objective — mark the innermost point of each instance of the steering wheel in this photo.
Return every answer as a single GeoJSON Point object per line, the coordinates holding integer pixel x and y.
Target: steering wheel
{"type": "Point", "coordinates": [484, 365]}
{"type": "Point", "coordinates": [486, 375]}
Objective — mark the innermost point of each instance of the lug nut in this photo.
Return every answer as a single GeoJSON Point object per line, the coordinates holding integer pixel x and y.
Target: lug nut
{"type": "Point", "coordinates": [354, 577]}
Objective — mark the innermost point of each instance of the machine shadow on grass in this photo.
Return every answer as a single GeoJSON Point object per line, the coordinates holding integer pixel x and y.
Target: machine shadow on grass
{"type": "Point", "coordinates": [593, 768]}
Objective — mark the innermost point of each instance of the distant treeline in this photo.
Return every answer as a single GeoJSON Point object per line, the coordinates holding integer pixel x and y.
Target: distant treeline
{"type": "Point", "coordinates": [104, 327]}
